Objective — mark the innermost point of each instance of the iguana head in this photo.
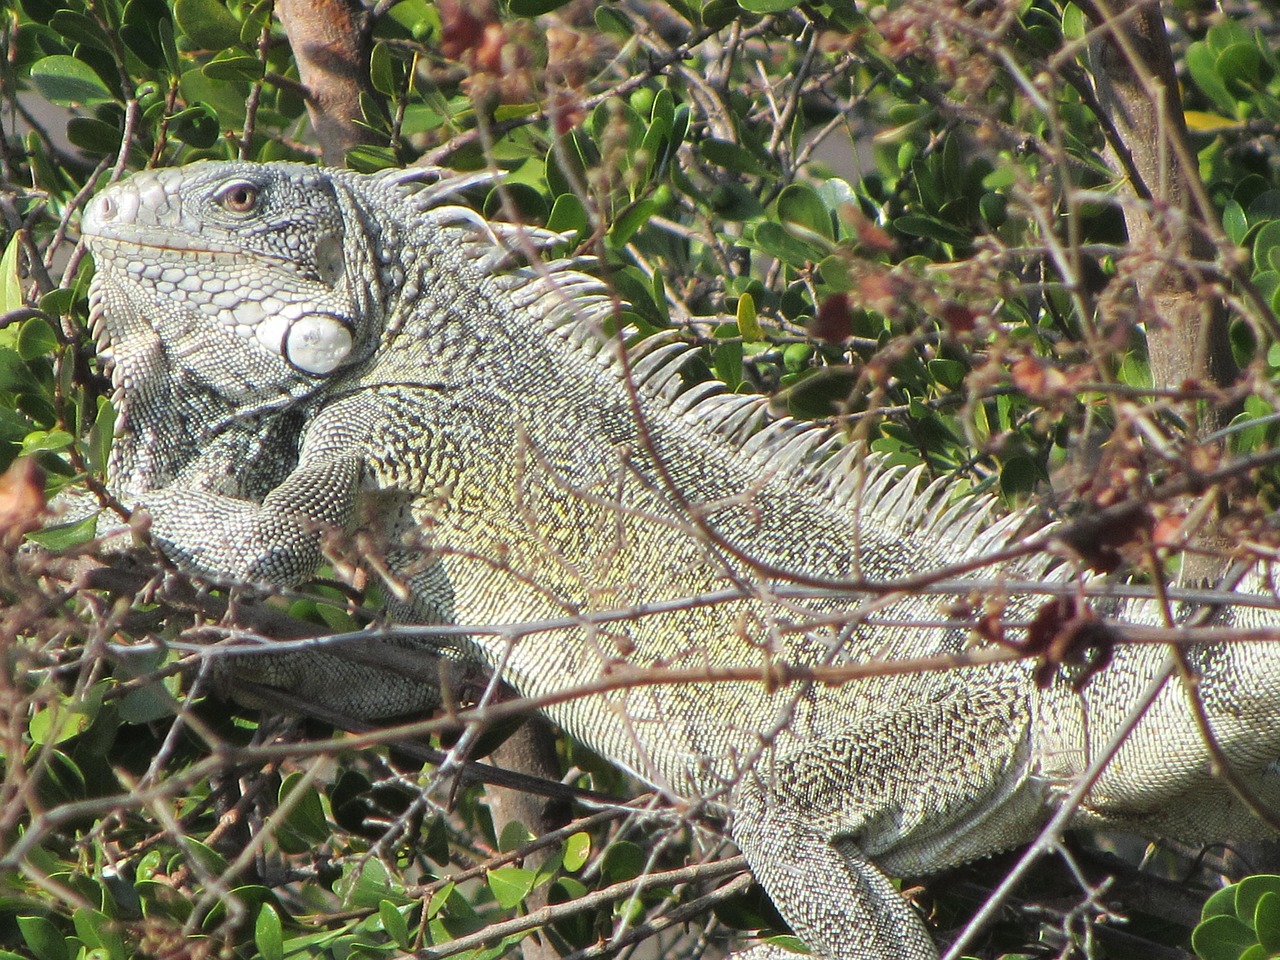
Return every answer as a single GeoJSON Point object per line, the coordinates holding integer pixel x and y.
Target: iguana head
{"type": "Point", "coordinates": [225, 297]}
{"type": "Point", "coordinates": [252, 276]}
{"type": "Point", "coordinates": [230, 295]}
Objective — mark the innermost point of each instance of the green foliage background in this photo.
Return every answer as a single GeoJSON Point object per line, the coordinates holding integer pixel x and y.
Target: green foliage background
{"type": "Point", "coordinates": [900, 216]}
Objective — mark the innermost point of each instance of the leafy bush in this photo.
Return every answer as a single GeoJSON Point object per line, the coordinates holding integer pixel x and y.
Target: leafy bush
{"type": "Point", "coordinates": [910, 219]}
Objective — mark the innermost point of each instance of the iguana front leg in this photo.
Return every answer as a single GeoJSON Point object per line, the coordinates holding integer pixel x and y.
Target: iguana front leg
{"type": "Point", "coordinates": [276, 541]}
{"type": "Point", "coordinates": [279, 542]}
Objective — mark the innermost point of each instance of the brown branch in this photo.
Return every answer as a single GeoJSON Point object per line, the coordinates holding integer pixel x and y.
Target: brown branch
{"type": "Point", "coordinates": [331, 45]}
{"type": "Point", "coordinates": [1187, 335]}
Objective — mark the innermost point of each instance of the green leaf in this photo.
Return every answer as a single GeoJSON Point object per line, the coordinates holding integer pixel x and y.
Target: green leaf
{"type": "Point", "coordinates": [80, 30]}
{"type": "Point", "coordinates": [232, 66]}
{"type": "Point", "coordinates": [36, 338]}
{"type": "Point", "coordinates": [623, 860]}
{"type": "Point", "coordinates": [305, 824]}
{"type": "Point", "coordinates": [15, 376]}
{"type": "Point", "coordinates": [1251, 890]}
{"type": "Point", "coordinates": [748, 322]}
{"type": "Point", "coordinates": [610, 21]}
{"type": "Point", "coordinates": [718, 14]}
{"type": "Point", "coordinates": [1074, 26]}
{"type": "Point", "coordinates": [1018, 478]}
{"type": "Point", "coordinates": [196, 126]}
{"type": "Point", "coordinates": [1221, 903]}
{"type": "Point", "coordinates": [800, 205]}
{"type": "Point", "coordinates": [66, 81]}
{"type": "Point", "coordinates": [382, 71]}
{"type": "Point", "coordinates": [1202, 64]}
{"type": "Point", "coordinates": [1266, 248]}
{"type": "Point", "coordinates": [1265, 206]}
{"type": "Point", "coordinates": [207, 23]}
{"type": "Point", "coordinates": [948, 373]}
{"type": "Point", "coordinates": [518, 202]}
{"type": "Point", "coordinates": [43, 938]}
{"type": "Point", "coordinates": [576, 851]}
{"type": "Point", "coordinates": [93, 135]}
{"type": "Point", "coordinates": [372, 885]}
{"type": "Point", "coordinates": [66, 535]}
{"type": "Point", "coordinates": [1221, 938]}
{"type": "Point", "coordinates": [834, 275]}
{"type": "Point", "coordinates": [1225, 33]}
{"type": "Point", "coordinates": [10, 279]}
{"type": "Point", "coordinates": [257, 18]}
{"type": "Point", "coordinates": [535, 8]}
{"type": "Point", "coordinates": [370, 158]}
{"type": "Point", "coordinates": [1240, 63]}
{"type": "Point", "coordinates": [796, 357]}
{"type": "Point", "coordinates": [514, 836]}
{"type": "Point", "coordinates": [1266, 921]}
{"type": "Point", "coordinates": [568, 215]}
{"type": "Point", "coordinates": [150, 702]}
{"type": "Point", "coordinates": [777, 241]}
{"type": "Point", "coordinates": [918, 225]}
{"type": "Point", "coordinates": [994, 208]}
{"type": "Point", "coordinates": [98, 931]}
{"type": "Point", "coordinates": [208, 858]}
{"type": "Point", "coordinates": [438, 899]}
{"type": "Point", "coordinates": [510, 885]}
{"type": "Point", "coordinates": [732, 156]}
{"type": "Point", "coordinates": [140, 30]}
{"type": "Point", "coordinates": [58, 723]}
{"type": "Point", "coordinates": [268, 934]}
{"type": "Point", "coordinates": [637, 215]}
{"type": "Point", "coordinates": [766, 6]}
{"type": "Point", "coordinates": [394, 923]}
{"type": "Point", "coordinates": [100, 434]}
{"type": "Point", "coordinates": [41, 441]}
{"type": "Point", "coordinates": [1234, 222]}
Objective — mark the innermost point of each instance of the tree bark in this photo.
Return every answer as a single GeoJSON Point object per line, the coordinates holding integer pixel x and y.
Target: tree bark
{"type": "Point", "coordinates": [1186, 324]}
{"type": "Point", "coordinates": [530, 750]}
{"type": "Point", "coordinates": [331, 47]}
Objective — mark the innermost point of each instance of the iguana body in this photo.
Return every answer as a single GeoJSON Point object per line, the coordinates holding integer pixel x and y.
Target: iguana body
{"type": "Point", "coordinates": [300, 350]}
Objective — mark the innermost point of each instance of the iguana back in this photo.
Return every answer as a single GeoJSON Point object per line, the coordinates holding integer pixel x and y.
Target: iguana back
{"type": "Point", "coordinates": [385, 360]}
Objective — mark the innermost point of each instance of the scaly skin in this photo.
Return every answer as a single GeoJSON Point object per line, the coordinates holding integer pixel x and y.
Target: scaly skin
{"type": "Point", "coordinates": [301, 350]}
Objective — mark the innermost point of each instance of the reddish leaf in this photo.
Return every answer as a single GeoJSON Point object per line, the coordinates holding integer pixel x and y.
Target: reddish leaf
{"type": "Point", "coordinates": [834, 322]}
{"type": "Point", "coordinates": [958, 318]}
{"type": "Point", "coordinates": [1062, 633]}
{"type": "Point", "coordinates": [462, 28]}
{"type": "Point", "coordinates": [22, 503]}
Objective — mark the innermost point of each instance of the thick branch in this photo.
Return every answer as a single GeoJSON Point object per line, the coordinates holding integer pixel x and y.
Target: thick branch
{"type": "Point", "coordinates": [331, 47]}
{"type": "Point", "coordinates": [1136, 84]}
{"type": "Point", "coordinates": [1186, 326]}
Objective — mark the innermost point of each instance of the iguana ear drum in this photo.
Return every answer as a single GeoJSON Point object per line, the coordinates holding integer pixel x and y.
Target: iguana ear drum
{"type": "Point", "coordinates": [317, 343]}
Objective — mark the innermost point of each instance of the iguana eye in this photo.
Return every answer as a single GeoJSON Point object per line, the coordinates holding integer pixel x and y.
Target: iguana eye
{"type": "Point", "coordinates": [241, 196]}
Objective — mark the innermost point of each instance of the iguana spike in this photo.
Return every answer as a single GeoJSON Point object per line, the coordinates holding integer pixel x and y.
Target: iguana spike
{"type": "Point", "coordinates": [433, 185]}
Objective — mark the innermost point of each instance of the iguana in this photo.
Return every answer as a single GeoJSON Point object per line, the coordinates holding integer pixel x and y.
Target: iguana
{"type": "Point", "coordinates": [301, 351]}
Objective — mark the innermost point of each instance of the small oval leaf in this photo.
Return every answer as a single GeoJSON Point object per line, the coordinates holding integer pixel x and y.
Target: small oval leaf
{"type": "Point", "coordinates": [510, 885]}
{"type": "Point", "coordinates": [65, 81]}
